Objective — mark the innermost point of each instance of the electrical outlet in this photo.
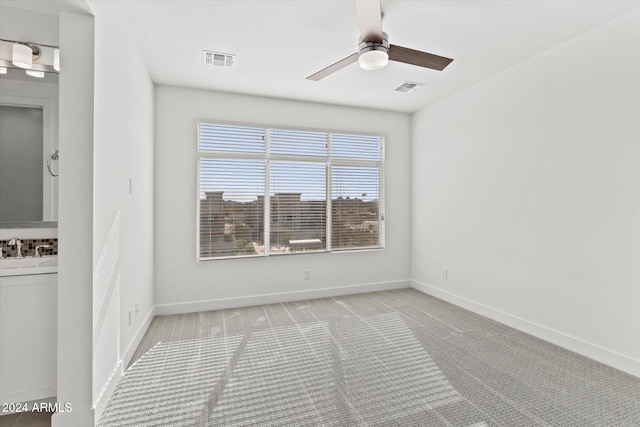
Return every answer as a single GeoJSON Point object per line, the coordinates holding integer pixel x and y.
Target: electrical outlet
{"type": "Point", "coordinates": [307, 274]}
{"type": "Point", "coordinates": [445, 273]}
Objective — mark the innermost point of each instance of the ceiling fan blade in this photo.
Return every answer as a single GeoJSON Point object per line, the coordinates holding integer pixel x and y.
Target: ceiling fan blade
{"type": "Point", "coordinates": [369, 20]}
{"type": "Point", "coordinates": [334, 67]}
{"type": "Point", "coordinates": [416, 57]}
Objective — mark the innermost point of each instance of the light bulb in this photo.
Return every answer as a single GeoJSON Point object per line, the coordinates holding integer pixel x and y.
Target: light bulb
{"type": "Point", "coordinates": [373, 60]}
{"type": "Point", "coordinates": [22, 56]}
{"type": "Point", "coordinates": [34, 73]}
{"type": "Point", "coordinates": [56, 60]}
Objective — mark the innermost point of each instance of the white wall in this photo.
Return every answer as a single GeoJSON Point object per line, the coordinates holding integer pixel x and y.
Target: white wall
{"type": "Point", "coordinates": [28, 26]}
{"type": "Point", "coordinates": [123, 221]}
{"type": "Point", "coordinates": [75, 220]}
{"type": "Point", "coordinates": [180, 279]}
{"type": "Point", "coordinates": [526, 188]}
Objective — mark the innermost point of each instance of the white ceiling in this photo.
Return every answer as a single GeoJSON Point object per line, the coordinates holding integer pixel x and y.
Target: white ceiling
{"type": "Point", "coordinates": [279, 43]}
{"type": "Point", "coordinates": [48, 6]}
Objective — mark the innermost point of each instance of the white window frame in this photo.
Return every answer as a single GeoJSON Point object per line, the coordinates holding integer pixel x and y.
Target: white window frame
{"type": "Point", "coordinates": [267, 157]}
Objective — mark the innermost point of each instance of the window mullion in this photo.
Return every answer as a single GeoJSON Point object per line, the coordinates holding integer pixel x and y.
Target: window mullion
{"type": "Point", "coordinates": [328, 222]}
{"type": "Point", "coordinates": [198, 208]}
{"type": "Point", "coordinates": [267, 195]}
{"type": "Point", "coordinates": [298, 158]}
{"type": "Point", "coordinates": [230, 155]}
{"type": "Point", "coordinates": [381, 195]}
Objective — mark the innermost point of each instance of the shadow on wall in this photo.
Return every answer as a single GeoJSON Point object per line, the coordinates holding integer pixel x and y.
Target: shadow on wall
{"type": "Point", "coordinates": [106, 315]}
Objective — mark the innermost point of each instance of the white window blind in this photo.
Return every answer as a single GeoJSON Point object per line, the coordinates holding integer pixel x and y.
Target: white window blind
{"type": "Point", "coordinates": [293, 142]}
{"type": "Point", "coordinates": [355, 212]}
{"type": "Point", "coordinates": [298, 206]}
{"type": "Point", "coordinates": [231, 192]}
{"type": "Point", "coordinates": [363, 147]}
{"type": "Point", "coordinates": [237, 139]}
{"type": "Point", "coordinates": [325, 191]}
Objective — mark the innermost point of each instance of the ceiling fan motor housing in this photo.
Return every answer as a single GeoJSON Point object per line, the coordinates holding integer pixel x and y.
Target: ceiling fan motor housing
{"type": "Point", "coordinates": [374, 55]}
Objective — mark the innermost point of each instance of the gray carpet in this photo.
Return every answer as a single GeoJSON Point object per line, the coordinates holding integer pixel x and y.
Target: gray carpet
{"type": "Point", "coordinates": [396, 358]}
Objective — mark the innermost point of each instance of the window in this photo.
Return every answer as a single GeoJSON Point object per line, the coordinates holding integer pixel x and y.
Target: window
{"type": "Point", "coordinates": [264, 191]}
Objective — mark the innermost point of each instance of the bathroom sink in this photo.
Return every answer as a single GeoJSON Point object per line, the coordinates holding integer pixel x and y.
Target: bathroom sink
{"type": "Point", "coordinates": [28, 265]}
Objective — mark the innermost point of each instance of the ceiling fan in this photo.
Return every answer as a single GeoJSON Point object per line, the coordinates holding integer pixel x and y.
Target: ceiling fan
{"type": "Point", "coordinates": [374, 50]}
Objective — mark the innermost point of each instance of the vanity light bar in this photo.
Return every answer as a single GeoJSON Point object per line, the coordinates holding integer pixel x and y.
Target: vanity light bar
{"type": "Point", "coordinates": [42, 59]}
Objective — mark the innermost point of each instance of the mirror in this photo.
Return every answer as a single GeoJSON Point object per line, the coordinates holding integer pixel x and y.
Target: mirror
{"type": "Point", "coordinates": [28, 143]}
{"type": "Point", "coordinates": [28, 135]}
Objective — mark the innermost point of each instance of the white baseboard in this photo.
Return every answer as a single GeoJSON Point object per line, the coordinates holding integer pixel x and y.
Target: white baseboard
{"type": "Point", "coordinates": [103, 399]}
{"type": "Point", "coordinates": [101, 402]}
{"type": "Point", "coordinates": [594, 351]}
{"type": "Point", "coordinates": [218, 304]}
{"type": "Point", "coordinates": [137, 339]}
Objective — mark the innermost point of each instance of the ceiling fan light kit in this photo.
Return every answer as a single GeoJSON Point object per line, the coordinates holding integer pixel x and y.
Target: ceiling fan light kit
{"type": "Point", "coordinates": [374, 55]}
{"type": "Point", "coordinates": [374, 50]}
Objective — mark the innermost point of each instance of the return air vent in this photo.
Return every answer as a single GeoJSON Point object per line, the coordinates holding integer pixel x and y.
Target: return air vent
{"type": "Point", "coordinates": [218, 59]}
{"type": "Point", "coordinates": [409, 87]}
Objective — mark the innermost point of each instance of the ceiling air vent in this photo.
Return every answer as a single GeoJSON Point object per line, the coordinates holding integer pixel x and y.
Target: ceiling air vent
{"type": "Point", "coordinates": [409, 87]}
{"type": "Point", "coordinates": [217, 59]}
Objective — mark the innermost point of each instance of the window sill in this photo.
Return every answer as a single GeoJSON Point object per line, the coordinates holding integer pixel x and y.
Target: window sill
{"type": "Point", "coordinates": [286, 254]}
